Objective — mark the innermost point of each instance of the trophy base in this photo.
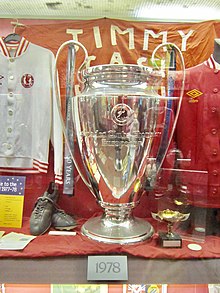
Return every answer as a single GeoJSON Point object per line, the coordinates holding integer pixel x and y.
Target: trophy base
{"type": "Point", "coordinates": [129, 231]}
{"type": "Point", "coordinates": [167, 241]}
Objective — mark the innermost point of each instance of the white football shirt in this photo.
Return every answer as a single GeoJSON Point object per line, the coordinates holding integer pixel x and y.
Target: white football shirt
{"type": "Point", "coordinates": [29, 113]}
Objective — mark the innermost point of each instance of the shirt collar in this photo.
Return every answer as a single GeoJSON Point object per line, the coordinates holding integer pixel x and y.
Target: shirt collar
{"type": "Point", "coordinates": [211, 63]}
{"type": "Point", "coordinates": [20, 47]}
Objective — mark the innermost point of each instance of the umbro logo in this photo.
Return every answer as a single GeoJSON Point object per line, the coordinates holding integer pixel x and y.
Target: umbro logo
{"type": "Point", "coordinates": [193, 95]}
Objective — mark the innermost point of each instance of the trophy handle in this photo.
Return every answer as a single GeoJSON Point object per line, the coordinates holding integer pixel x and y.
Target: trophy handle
{"type": "Point", "coordinates": [171, 45]}
{"type": "Point", "coordinates": [73, 43]}
{"type": "Point", "coordinates": [185, 217]}
{"type": "Point", "coordinates": [155, 216]}
{"type": "Point", "coordinates": [60, 49]}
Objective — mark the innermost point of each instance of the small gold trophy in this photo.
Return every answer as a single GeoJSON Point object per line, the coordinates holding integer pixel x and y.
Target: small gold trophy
{"type": "Point", "coordinates": [169, 238]}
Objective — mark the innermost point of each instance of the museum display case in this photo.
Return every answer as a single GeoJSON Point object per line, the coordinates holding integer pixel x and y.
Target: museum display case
{"type": "Point", "coordinates": [109, 147]}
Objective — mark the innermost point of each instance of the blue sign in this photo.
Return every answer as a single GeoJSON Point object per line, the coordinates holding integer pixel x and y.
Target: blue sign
{"type": "Point", "coordinates": [12, 185]}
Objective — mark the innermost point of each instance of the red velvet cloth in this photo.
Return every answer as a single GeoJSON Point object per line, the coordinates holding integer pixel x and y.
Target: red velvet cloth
{"type": "Point", "coordinates": [79, 245]}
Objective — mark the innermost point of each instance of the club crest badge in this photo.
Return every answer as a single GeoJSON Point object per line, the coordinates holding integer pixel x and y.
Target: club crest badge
{"type": "Point", "coordinates": [27, 80]}
{"type": "Point", "coordinates": [122, 114]}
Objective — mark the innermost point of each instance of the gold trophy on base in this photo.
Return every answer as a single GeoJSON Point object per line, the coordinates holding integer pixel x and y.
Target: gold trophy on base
{"type": "Point", "coordinates": [170, 239]}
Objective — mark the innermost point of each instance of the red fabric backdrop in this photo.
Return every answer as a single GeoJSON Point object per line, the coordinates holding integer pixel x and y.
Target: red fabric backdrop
{"type": "Point", "coordinates": [110, 41]}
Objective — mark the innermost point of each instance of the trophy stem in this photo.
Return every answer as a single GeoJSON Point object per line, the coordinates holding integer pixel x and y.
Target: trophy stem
{"type": "Point", "coordinates": [117, 213]}
{"type": "Point", "coordinates": [117, 225]}
{"type": "Point", "coordinates": [169, 229]}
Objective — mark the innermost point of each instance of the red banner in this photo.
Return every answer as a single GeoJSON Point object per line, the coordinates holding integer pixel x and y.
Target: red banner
{"type": "Point", "coordinates": [120, 41]}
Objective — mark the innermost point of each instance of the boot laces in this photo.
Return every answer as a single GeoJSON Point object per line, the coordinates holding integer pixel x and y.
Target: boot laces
{"type": "Point", "coordinates": [40, 206]}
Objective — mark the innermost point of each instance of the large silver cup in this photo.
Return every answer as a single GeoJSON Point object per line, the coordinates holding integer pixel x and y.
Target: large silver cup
{"type": "Point", "coordinates": [116, 124]}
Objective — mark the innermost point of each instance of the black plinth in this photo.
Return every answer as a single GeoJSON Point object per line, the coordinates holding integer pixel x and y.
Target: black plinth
{"type": "Point", "coordinates": [170, 241]}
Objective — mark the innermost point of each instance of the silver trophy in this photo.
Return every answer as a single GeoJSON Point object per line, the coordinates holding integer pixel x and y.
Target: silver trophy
{"type": "Point", "coordinates": [116, 118]}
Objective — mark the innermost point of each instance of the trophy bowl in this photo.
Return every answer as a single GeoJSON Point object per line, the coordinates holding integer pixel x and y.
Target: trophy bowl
{"type": "Point", "coordinates": [117, 123]}
{"type": "Point", "coordinates": [170, 216]}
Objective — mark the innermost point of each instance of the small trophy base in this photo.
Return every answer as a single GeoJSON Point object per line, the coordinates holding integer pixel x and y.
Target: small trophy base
{"type": "Point", "coordinates": [131, 230]}
{"type": "Point", "coordinates": [170, 241]}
